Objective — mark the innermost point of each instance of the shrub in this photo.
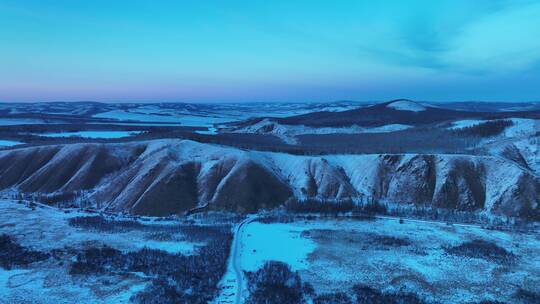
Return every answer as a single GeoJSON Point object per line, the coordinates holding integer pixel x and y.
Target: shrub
{"type": "Point", "coordinates": [275, 283]}
{"type": "Point", "coordinates": [368, 295]}
{"type": "Point", "coordinates": [314, 205]}
{"type": "Point", "coordinates": [486, 129]}
{"type": "Point", "coordinates": [192, 233]}
{"type": "Point", "coordinates": [526, 296]}
{"type": "Point", "coordinates": [100, 223]}
{"type": "Point", "coordinates": [481, 249]}
{"type": "Point", "coordinates": [193, 279]}
{"type": "Point", "coordinates": [12, 254]}
{"type": "Point", "coordinates": [333, 298]}
{"type": "Point", "coordinates": [177, 278]}
{"type": "Point", "coordinates": [389, 241]}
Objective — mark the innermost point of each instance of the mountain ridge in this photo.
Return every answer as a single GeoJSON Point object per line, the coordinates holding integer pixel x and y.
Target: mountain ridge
{"type": "Point", "coordinates": [384, 114]}
{"type": "Point", "coordinates": [163, 177]}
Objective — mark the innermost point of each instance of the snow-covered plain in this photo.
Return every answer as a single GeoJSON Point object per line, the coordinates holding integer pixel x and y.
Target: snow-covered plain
{"type": "Point", "coordinates": [209, 131]}
{"type": "Point", "coordinates": [48, 228]}
{"type": "Point", "coordinates": [465, 123]}
{"type": "Point", "coordinates": [334, 255]}
{"type": "Point", "coordinates": [212, 115]}
{"type": "Point", "coordinates": [520, 127]}
{"type": "Point", "coordinates": [9, 143]}
{"type": "Point", "coordinates": [153, 116]}
{"type": "Point", "coordinates": [91, 134]}
{"type": "Point", "coordinates": [19, 121]}
{"type": "Point", "coordinates": [279, 242]}
{"type": "Point", "coordinates": [288, 133]}
{"type": "Point", "coordinates": [45, 229]}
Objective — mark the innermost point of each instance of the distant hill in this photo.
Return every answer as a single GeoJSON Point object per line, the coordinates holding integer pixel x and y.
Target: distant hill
{"type": "Point", "coordinates": [483, 106]}
{"type": "Point", "coordinates": [400, 111]}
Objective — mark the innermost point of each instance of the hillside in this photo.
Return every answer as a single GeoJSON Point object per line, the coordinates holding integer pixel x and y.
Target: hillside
{"type": "Point", "coordinates": [400, 112]}
{"type": "Point", "coordinates": [164, 177]}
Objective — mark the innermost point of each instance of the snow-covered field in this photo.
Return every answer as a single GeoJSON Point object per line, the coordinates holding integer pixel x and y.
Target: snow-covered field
{"type": "Point", "coordinates": [278, 242]}
{"type": "Point", "coordinates": [46, 229]}
{"type": "Point", "coordinates": [334, 255]}
{"type": "Point", "coordinates": [522, 127]}
{"type": "Point", "coordinates": [19, 121]}
{"type": "Point", "coordinates": [465, 123]}
{"type": "Point", "coordinates": [406, 105]}
{"type": "Point", "coordinates": [211, 115]}
{"type": "Point", "coordinates": [209, 131]}
{"type": "Point", "coordinates": [152, 116]}
{"type": "Point", "coordinates": [91, 134]}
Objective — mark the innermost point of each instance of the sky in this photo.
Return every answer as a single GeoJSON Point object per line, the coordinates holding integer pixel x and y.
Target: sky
{"type": "Point", "coordinates": [223, 51]}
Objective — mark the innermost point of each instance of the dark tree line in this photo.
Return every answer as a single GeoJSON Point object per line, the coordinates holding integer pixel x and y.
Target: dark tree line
{"type": "Point", "coordinates": [100, 223]}
{"type": "Point", "coordinates": [177, 278]}
{"type": "Point", "coordinates": [276, 283]}
{"type": "Point", "coordinates": [190, 232]}
{"type": "Point", "coordinates": [13, 254]}
{"type": "Point", "coordinates": [486, 129]}
{"type": "Point", "coordinates": [426, 140]}
{"type": "Point", "coordinates": [483, 250]}
{"type": "Point", "coordinates": [324, 206]}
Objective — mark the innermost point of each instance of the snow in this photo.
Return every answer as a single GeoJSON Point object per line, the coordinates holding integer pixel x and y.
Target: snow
{"type": "Point", "coordinates": [387, 128]}
{"type": "Point", "coordinates": [124, 297]}
{"type": "Point", "coordinates": [204, 121]}
{"type": "Point", "coordinates": [9, 143]}
{"type": "Point", "coordinates": [209, 131]}
{"type": "Point", "coordinates": [406, 105]}
{"type": "Point", "coordinates": [465, 123]}
{"type": "Point", "coordinates": [274, 242]}
{"type": "Point", "coordinates": [522, 127]}
{"type": "Point", "coordinates": [151, 115]}
{"type": "Point", "coordinates": [336, 176]}
{"type": "Point", "coordinates": [48, 229]}
{"type": "Point", "coordinates": [288, 133]}
{"type": "Point", "coordinates": [530, 149]}
{"type": "Point", "coordinates": [125, 115]}
{"type": "Point", "coordinates": [19, 121]}
{"type": "Point", "coordinates": [168, 246]}
{"type": "Point", "coordinates": [347, 253]}
{"type": "Point", "coordinates": [6, 275]}
{"type": "Point", "coordinates": [91, 134]}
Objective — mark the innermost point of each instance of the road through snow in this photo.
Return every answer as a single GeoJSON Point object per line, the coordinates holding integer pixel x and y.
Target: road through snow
{"type": "Point", "coordinates": [234, 277]}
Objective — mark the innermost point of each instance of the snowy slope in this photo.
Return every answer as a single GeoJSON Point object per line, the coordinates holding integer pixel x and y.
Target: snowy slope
{"type": "Point", "coordinates": [288, 133]}
{"type": "Point", "coordinates": [406, 105]}
{"type": "Point", "coordinates": [170, 176]}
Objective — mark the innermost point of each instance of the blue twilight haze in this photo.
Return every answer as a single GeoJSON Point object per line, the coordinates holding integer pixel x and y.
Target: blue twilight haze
{"type": "Point", "coordinates": [269, 50]}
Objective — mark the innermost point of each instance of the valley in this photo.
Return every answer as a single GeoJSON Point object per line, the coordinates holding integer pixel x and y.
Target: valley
{"type": "Point", "coordinates": [270, 152]}
{"type": "Point", "coordinates": [341, 203]}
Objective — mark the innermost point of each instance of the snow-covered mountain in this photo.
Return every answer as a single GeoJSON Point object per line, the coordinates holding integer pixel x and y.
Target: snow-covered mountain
{"type": "Point", "coordinates": [163, 177]}
{"type": "Point", "coordinates": [406, 105]}
{"type": "Point", "coordinates": [288, 133]}
{"type": "Point", "coordinates": [400, 111]}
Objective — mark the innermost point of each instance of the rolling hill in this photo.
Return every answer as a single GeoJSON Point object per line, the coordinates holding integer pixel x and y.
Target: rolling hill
{"type": "Point", "coordinates": [163, 177]}
{"type": "Point", "coordinates": [400, 112]}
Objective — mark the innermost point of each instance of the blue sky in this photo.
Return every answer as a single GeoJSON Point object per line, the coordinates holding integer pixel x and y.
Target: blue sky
{"type": "Point", "coordinates": [213, 51]}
